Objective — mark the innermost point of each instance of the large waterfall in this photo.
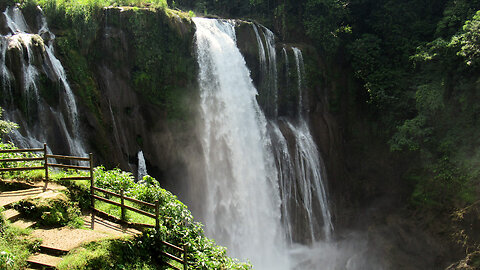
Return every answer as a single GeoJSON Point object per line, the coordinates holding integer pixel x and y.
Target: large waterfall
{"type": "Point", "coordinates": [242, 209]}
{"type": "Point", "coordinates": [266, 196]}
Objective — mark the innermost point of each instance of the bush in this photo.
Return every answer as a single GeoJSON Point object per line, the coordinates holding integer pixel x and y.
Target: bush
{"type": "Point", "coordinates": [52, 210]}
{"type": "Point", "coordinates": [177, 225]}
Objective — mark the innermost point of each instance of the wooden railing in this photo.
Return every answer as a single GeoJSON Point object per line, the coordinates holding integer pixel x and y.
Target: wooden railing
{"type": "Point", "coordinates": [89, 168]}
{"type": "Point", "coordinates": [124, 207]}
{"type": "Point", "coordinates": [182, 251]}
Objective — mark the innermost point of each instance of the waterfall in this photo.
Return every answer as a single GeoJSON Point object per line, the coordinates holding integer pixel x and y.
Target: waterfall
{"type": "Point", "coordinates": [272, 69]}
{"type": "Point", "coordinates": [242, 209]}
{"type": "Point", "coordinates": [6, 77]}
{"type": "Point", "coordinates": [76, 145]}
{"type": "Point", "coordinates": [308, 160]}
{"type": "Point", "coordinates": [33, 134]}
{"type": "Point", "coordinates": [266, 197]}
{"type": "Point", "coordinates": [142, 166]}
{"type": "Point", "coordinates": [300, 72]}
{"type": "Point", "coordinates": [261, 50]}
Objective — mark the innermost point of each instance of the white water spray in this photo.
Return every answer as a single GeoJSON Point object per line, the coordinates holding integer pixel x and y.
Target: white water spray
{"type": "Point", "coordinates": [242, 210]}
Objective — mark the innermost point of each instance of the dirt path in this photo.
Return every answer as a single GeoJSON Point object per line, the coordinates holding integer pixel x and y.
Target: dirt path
{"type": "Point", "coordinates": [57, 241]}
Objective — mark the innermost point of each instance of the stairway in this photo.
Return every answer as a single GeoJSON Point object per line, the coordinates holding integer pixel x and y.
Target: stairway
{"type": "Point", "coordinates": [47, 257]}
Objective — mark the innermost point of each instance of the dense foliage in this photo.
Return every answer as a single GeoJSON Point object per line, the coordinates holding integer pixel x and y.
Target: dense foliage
{"type": "Point", "coordinates": [177, 223]}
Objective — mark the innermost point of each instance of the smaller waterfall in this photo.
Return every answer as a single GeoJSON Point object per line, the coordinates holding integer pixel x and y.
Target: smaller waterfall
{"type": "Point", "coordinates": [6, 77]}
{"type": "Point", "coordinates": [310, 181]}
{"type": "Point", "coordinates": [71, 105]}
{"type": "Point", "coordinates": [261, 50]}
{"type": "Point", "coordinates": [286, 176]}
{"type": "Point", "coordinates": [15, 20]}
{"type": "Point", "coordinates": [21, 38]}
{"type": "Point", "coordinates": [268, 70]}
{"type": "Point", "coordinates": [300, 75]}
{"type": "Point", "coordinates": [142, 166]}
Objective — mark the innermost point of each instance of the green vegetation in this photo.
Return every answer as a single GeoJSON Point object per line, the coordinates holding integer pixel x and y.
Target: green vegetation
{"type": "Point", "coordinates": [6, 126]}
{"type": "Point", "coordinates": [15, 246]}
{"type": "Point", "coordinates": [108, 254]}
{"type": "Point", "coordinates": [142, 252]}
{"type": "Point", "coordinates": [53, 210]}
{"type": "Point", "coordinates": [177, 226]}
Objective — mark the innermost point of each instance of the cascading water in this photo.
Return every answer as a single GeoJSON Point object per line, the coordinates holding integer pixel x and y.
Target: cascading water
{"type": "Point", "coordinates": [266, 199]}
{"type": "Point", "coordinates": [6, 77]}
{"type": "Point", "coordinates": [268, 68]}
{"type": "Point", "coordinates": [308, 161]}
{"type": "Point", "coordinates": [142, 166]}
{"type": "Point", "coordinates": [272, 69]}
{"type": "Point", "coordinates": [33, 134]}
{"type": "Point", "coordinates": [76, 145]}
{"type": "Point", "coordinates": [242, 210]}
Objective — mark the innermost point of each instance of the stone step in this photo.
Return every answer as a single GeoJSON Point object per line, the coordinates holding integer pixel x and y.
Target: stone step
{"type": "Point", "coordinates": [43, 261]}
{"type": "Point", "coordinates": [24, 224]}
{"type": "Point", "coordinates": [11, 214]}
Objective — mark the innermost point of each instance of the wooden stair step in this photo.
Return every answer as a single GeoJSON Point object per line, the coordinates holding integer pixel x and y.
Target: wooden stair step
{"type": "Point", "coordinates": [43, 261]}
{"type": "Point", "coordinates": [11, 214]}
{"type": "Point", "coordinates": [53, 250]}
{"type": "Point", "coordinates": [24, 224]}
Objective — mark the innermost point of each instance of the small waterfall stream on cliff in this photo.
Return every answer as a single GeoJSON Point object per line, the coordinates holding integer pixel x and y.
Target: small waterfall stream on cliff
{"type": "Point", "coordinates": [142, 166]}
{"type": "Point", "coordinates": [34, 134]}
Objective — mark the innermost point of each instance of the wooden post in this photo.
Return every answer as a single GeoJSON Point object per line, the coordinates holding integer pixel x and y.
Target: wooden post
{"type": "Point", "coordinates": [45, 160]}
{"type": "Point", "coordinates": [157, 215]}
{"type": "Point", "coordinates": [122, 202]}
{"type": "Point", "coordinates": [92, 192]}
{"type": "Point", "coordinates": [185, 262]}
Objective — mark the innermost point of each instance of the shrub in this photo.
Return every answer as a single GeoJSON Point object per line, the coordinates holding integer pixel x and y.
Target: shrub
{"type": "Point", "coordinates": [52, 210]}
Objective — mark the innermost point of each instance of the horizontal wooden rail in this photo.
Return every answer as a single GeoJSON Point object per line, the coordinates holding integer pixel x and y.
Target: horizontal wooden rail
{"type": "Point", "coordinates": [172, 256]}
{"type": "Point", "coordinates": [68, 166]}
{"type": "Point", "coordinates": [125, 206]}
{"type": "Point", "coordinates": [125, 197]}
{"type": "Point", "coordinates": [172, 246]}
{"type": "Point", "coordinates": [21, 169]}
{"type": "Point", "coordinates": [151, 205]}
{"type": "Point", "coordinates": [68, 157]}
{"type": "Point", "coordinates": [107, 192]}
{"type": "Point", "coordinates": [76, 178]}
{"type": "Point", "coordinates": [145, 213]}
{"type": "Point", "coordinates": [116, 219]}
{"type": "Point", "coordinates": [172, 266]}
{"type": "Point", "coordinates": [106, 200]}
{"type": "Point", "coordinates": [20, 159]}
{"type": "Point", "coordinates": [21, 150]}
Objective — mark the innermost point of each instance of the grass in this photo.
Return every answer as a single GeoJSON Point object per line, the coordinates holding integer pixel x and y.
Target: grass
{"type": "Point", "coordinates": [107, 254]}
{"type": "Point", "coordinates": [15, 245]}
{"type": "Point", "coordinates": [129, 215]}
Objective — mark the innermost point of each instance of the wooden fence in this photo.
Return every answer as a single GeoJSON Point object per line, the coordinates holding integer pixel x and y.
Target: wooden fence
{"type": "Point", "coordinates": [89, 168]}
